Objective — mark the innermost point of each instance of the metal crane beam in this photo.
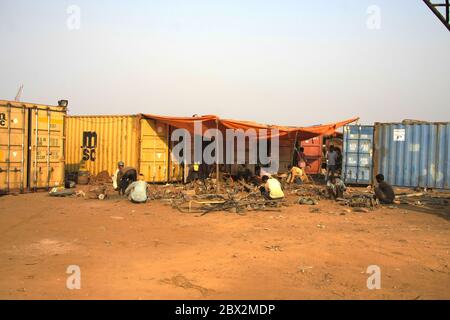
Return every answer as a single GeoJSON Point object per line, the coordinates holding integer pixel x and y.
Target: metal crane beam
{"type": "Point", "coordinates": [433, 7]}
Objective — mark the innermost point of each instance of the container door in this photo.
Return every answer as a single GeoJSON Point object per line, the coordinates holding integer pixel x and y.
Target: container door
{"type": "Point", "coordinates": [154, 151]}
{"type": "Point", "coordinates": [357, 156]}
{"type": "Point", "coordinates": [175, 168]}
{"type": "Point", "coordinates": [313, 152]}
{"type": "Point", "coordinates": [285, 154]}
{"type": "Point", "coordinates": [46, 149]}
{"type": "Point", "coordinates": [13, 153]}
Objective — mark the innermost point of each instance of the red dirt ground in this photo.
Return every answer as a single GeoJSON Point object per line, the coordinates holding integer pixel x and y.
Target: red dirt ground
{"type": "Point", "coordinates": [151, 251]}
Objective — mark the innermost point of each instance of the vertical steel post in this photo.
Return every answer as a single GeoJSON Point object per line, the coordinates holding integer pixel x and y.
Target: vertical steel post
{"type": "Point", "coordinates": [36, 141]}
{"type": "Point", "coordinates": [166, 159]}
{"type": "Point", "coordinates": [22, 160]}
{"type": "Point", "coordinates": [217, 157]}
{"type": "Point", "coordinates": [8, 161]}
{"type": "Point", "coordinates": [48, 149]}
{"type": "Point", "coordinates": [154, 151]}
{"type": "Point", "coordinates": [447, 10]}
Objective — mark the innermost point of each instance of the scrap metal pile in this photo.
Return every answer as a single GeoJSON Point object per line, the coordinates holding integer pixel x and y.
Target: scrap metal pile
{"type": "Point", "coordinates": [100, 186]}
{"type": "Point", "coordinates": [422, 199]}
{"type": "Point", "coordinates": [238, 196]}
{"type": "Point", "coordinates": [202, 197]}
{"type": "Point", "coordinates": [235, 203]}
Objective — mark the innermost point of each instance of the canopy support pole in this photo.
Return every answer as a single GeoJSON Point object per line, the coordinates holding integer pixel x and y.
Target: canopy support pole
{"type": "Point", "coordinates": [295, 147]}
{"type": "Point", "coordinates": [217, 158]}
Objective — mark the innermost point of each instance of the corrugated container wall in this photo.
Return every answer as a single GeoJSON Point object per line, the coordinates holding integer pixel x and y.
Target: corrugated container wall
{"type": "Point", "coordinates": [313, 153]}
{"type": "Point", "coordinates": [98, 143]}
{"type": "Point", "coordinates": [31, 146]}
{"type": "Point", "coordinates": [357, 156]}
{"type": "Point", "coordinates": [413, 155]}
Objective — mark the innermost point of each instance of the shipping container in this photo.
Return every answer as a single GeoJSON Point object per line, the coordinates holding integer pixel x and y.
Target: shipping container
{"type": "Point", "coordinates": [98, 143]}
{"type": "Point", "coordinates": [314, 154]}
{"type": "Point", "coordinates": [413, 154]}
{"type": "Point", "coordinates": [31, 146]}
{"type": "Point", "coordinates": [357, 157]}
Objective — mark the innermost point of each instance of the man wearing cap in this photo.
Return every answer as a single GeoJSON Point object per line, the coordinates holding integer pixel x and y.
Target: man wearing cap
{"type": "Point", "coordinates": [124, 177]}
{"type": "Point", "coordinates": [115, 180]}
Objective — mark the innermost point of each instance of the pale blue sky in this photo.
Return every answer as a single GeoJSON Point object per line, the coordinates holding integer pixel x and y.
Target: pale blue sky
{"type": "Point", "coordinates": [286, 62]}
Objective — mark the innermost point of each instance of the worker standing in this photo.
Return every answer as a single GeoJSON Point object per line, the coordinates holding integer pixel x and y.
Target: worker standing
{"type": "Point", "coordinates": [331, 162]}
{"type": "Point", "coordinates": [302, 162]}
{"type": "Point", "coordinates": [115, 177]}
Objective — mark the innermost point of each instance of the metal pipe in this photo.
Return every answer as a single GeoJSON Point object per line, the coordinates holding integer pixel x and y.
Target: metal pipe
{"type": "Point", "coordinates": [8, 161]}
{"type": "Point", "coordinates": [154, 151]}
{"type": "Point", "coordinates": [447, 11]}
{"type": "Point", "coordinates": [63, 155]}
{"type": "Point", "coordinates": [166, 159]}
{"type": "Point", "coordinates": [48, 149]}
{"type": "Point", "coordinates": [22, 160]}
{"type": "Point", "coordinates": [444, 20]}
{"type": "Point", "coordinates": [36, 114]}
{"type": "Point", "coordinates": [217, 157]}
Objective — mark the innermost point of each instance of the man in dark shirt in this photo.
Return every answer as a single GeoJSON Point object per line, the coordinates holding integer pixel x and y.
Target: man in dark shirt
{"type": "Point", "coordinates": [125, 177]}
{"type": "Point", "coordinates": [384, 192]}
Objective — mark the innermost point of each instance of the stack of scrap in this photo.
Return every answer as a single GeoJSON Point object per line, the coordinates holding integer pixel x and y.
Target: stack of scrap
{"type": "Point", "coordinates": [424, 199]}
{"type": "Point", "coordinates": [102, 178]}
{"type": "Point", "coordinates": [100, 186]}
{"type": "Point", "coordinates": [312, 191]}
{"type": "Point", "coordinates": [165, 193]}
{"type": "Point", "coordinates": [207, 203]}
{"type": "Point", "coordinates": [360, 200]}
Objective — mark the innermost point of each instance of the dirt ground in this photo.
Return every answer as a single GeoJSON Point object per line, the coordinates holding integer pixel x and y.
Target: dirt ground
{"type": "Point", "coordinates": [128, 251]}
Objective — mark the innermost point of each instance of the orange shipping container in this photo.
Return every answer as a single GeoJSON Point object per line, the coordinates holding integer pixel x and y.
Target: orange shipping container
{"type": "Point", "coordinates": [314, 155]}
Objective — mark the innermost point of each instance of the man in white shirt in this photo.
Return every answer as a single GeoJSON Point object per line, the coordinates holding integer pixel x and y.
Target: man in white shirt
{"type": "Point", "coordinates": [137, 191]}
{"type": "Point", "coordinates": [331, 162]}
{"type": "Point", "coordinates": [115, 176]}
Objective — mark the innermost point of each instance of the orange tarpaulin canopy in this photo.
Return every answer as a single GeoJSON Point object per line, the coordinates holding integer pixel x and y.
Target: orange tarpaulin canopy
{"type": "Point", "coordinates": [323, 130]}
{"type": "Point", "coordinates": [208, 121]}
{"type": "Point", "coordinates": [302, 133]}
{"type": "Point", "coordinates": [212, 121]}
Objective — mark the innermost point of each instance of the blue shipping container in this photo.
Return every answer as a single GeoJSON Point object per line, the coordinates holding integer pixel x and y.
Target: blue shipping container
{"type": "Point", "coordinates": [414, 154]}
{"type": "Point", "coordinates": [357, 154]}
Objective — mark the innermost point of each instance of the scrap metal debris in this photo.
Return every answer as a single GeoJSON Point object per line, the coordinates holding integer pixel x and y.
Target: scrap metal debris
{"type": "Point", "coordinates": [235, 203]}
{"type": "Point", "coordinates": [308, 201]}
{"type": "Point", "coordinates": [61, 192]}
{"type": "Point", "coordinates": [360, 200]}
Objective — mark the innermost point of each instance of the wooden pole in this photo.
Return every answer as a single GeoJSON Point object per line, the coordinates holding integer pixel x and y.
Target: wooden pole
{"type": "Point", "coordinates": [217, 158]}
{"type": "Point", "coordinates": [295, 148]}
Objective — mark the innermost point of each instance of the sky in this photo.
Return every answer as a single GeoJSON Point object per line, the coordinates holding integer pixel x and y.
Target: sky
{"type": "Point", "coordinates": [278, 62]}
